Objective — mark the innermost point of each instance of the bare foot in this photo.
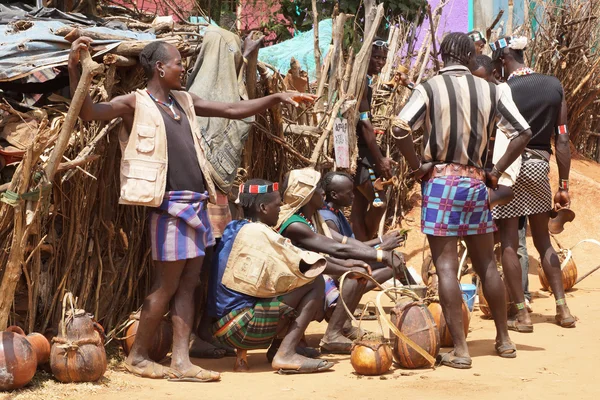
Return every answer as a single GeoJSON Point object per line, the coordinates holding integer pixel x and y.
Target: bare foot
{"type": "Point", "coordinates": [241, 361]}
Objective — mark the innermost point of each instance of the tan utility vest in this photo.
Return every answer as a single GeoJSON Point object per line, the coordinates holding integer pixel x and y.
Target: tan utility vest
{"type": "Point", "coordinates": [145, 160]}
{"type": "Point", "coordinates": [264, 264]}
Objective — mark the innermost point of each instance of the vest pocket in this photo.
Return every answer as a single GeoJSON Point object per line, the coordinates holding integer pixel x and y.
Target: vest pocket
{"type": "Point", "coordinates": [139, 180]}
{"type": "Point", "coordinates": [146, 136]}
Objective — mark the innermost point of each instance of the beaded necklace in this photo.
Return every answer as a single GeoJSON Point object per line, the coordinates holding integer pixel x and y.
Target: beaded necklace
{"type": "Point", "coordinates": [333, 210]}
{"type": "Point", "coordinates": [308, 221]}
{"type": "Point", "coordinates": [521, 72]}
{"type": "Point", "coordinates": [169, 105]}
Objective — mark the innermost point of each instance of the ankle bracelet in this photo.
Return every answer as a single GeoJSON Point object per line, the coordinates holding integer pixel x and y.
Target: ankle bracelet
{"type": "Point", "coordinates": [561, 302]}
{"type": "Point", "coordinates": [520, 306]}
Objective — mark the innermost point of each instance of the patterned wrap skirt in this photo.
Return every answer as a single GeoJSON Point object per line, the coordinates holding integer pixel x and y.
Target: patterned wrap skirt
{"type": "Point", "coordinates": [252, 327]}
{"type": "Point", "coordinates": [533, 194]}
{"type": "Point", "coordinates": [180, 228]}
{"type": "Point", "coordinates": [455, 206]}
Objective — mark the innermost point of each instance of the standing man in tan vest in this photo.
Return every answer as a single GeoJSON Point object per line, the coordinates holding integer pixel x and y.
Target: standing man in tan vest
{"type": "Point", "coordinates": [164, 167]}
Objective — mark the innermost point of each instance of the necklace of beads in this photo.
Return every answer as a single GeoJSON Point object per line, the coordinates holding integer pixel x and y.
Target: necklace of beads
{"type": "Point", "coordinates": [169, 105]}
{"type": "Point", "coordinates": [521, 72]}
{"type": "Point", "coordinates": [308, 221]}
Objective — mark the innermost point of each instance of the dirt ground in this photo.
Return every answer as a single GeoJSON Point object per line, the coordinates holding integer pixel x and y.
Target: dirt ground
{"type": "Point", "coordinates": [552, 362]}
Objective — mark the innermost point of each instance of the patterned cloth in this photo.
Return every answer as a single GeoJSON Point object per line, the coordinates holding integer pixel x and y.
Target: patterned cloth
{"type": "Point", "coordinates": [459, 112]}
{"type": "Point", "coordinates": [332, 293]}
{"type": "Point", "coordinates": [533, 194]}
{"type": "Point", "coordinates": [252, 327]}
{"type": "Point", "coordinates": [180, 228]}
{"type": "Point", "coordinates": [455, 206]}
{"type": "Point", "coordinates": [219, 214]}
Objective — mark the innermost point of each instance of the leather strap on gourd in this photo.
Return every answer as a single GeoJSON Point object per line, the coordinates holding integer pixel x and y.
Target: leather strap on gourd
{"type": "Point", "coordinates": [382, 315]}
{"type": "Point", "coordinates": [395, 329]}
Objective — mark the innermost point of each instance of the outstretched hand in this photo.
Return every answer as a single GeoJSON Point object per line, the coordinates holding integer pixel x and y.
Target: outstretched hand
{"type": "Point", "coordinates": [295, 98]}
{"type": "Point", "coordinates": [82, 43]}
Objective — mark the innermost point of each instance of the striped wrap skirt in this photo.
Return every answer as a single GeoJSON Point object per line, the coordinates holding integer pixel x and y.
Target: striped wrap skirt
{"type": "Point", "coordinates": [455, 206]}
{"type": "Point", "coordinates": [252, 327]}
{"type": "Point", "coordinates": [180, 228]}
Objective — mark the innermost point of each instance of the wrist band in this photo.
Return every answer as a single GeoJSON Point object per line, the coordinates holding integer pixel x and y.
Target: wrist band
{"type": "Point", "coordinates": [364, 116]}
{"type": "Point", "coordinates": [380, 240]}
{"type": "Point", "coordinates": [562, 130]}
{"type": "Point", "coordinates": [376, 247]}
{"type": "Point", "coordinates": [564, 184]}
{"type": "Point", "coordinates": [345, 240]}
{"type": "Point", "coordinates": [497, 171]}
{"type": "Point", "coordinates": [379, 255]}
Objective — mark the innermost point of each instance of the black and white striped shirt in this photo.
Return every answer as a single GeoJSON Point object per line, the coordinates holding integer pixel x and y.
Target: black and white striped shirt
{"type": "Point", "coordinates": [459, 111]}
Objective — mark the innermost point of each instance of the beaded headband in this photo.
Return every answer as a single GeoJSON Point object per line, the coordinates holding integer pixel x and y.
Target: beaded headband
{"type": "Point", "coordinates": [477, 36]}
{"type": "Point", "coordinates": [513, 42]}
{"type": "Point", "coordinates": [259, 189]}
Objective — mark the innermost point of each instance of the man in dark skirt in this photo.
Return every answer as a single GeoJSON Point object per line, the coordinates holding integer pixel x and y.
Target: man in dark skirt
{"type": "Point", "coordinates": [540, 99]}
{"type": "Point", "coordinates": [458, 112]}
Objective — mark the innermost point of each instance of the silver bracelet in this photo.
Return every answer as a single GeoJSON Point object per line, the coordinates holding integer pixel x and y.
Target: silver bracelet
{"type": "Point", "coordinates": [380, 240]}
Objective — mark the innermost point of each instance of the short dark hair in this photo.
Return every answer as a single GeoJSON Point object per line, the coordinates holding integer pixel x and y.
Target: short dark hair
{"type": "Point", "coordinates": [153, 52]}
{"type": "Point", "coordinates": [250, 201]}
{"type": "Point", "coordinates": [326, 181]}
{"type": "Point", "coordinates": [458, 47]}
{"type": "Point", "coordinates": [485, 62]}
{"type": "Point", "coordinates": [518, 55]}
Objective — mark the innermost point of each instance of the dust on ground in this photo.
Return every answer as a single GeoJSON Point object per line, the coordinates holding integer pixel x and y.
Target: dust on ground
{"type": "Point", "coordinates": [552, 362]}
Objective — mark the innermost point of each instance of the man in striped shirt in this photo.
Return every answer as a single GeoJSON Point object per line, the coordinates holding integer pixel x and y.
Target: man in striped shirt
{"type": "Point", "coordinates": [458, 113]}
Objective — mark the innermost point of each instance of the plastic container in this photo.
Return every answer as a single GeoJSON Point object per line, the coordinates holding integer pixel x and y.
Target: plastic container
{"type": "Point", "coordinates": [469, 291]}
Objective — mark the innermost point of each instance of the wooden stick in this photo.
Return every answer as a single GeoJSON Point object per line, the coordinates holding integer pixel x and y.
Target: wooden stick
{"type": "Point", "coordinates": [90, 69]}
{"type": "Point", "coordinates": [433, 29]}
{"type": "Point", "coordinates": [251, 68]}
{"type": "Point", "coordinates": [587, 274]}
{"type": "Point", "coordinates": [316, 39]}
{"type": "Point", "coordinates": [488, 31]}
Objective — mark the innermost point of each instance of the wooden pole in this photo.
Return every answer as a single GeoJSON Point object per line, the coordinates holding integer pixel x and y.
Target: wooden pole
{"type": "Point", "coordinates": [90, 69]}
{"type": "Point", "coordinates": [22, 226]}
{"type": "Point", "coordinates": [316, 39]}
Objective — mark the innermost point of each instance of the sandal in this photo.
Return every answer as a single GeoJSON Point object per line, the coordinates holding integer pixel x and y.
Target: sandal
{"type": "Point", "coordinates": [514, 325]}
{"type": "Point", "coordinates": [151, 370]}
{"type": "Point", "coordinates": [568, 322]}
{"type": "Point", "coordinates": [308, 367]}
{"type": "Point", "coordinates": [336, 347]}
{"type": "Point", "coordinates": [450, 360]}
{"type": "Point", "coordinates": [506, 350]}
{"type": "Point", "coordinates": [305, 351]}
{"type": "Point", "coordinates": [197, 375]}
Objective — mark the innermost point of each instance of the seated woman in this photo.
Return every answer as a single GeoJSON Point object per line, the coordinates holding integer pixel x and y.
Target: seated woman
{"type": "Point", "coordinates": [300, 221]}
{"type": "Point", "coordinates": [251, 322]}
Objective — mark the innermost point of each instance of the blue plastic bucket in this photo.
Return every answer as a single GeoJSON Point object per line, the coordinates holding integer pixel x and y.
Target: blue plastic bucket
{"type": "Point", "coordinates": [468, 292]}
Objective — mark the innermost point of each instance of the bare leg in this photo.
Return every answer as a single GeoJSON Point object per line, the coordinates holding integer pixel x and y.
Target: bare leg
{"type": "Point", "coordinates": [381, 275]}
{"type": "Point", "coordinates": [156, 304]}
{"type": "Point", "coordinates": [182, 315]}
{"type": "Point", "coordinates": [360, 205]}
{"type": "Point", "coordinates": [445, 258]}
{"type": "Point", "coordinates": [511, 266]}
{"type": "Point", "coordinates": [372, 215]}
{"type": "Point", "coordinates": [550, 262]}
{"type": "Point", "coordinates": [353, 291]}
{"type": "Point", "coordinates": [481, 251]}
{"type": "Point", "coordinates": [308, 302]}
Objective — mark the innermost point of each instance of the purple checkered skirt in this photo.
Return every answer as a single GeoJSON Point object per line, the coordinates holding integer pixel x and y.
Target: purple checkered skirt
{"type": "Point", "coordinates": [455, 206]}
{"type": "Point", "coordinates": [180, 228]}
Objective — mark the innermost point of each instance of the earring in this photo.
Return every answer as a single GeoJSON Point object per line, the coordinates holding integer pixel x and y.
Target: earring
{"type": "Point", "coordinates": [503, 77]}
{"type": "Point", "coordinates": [162, 74]}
